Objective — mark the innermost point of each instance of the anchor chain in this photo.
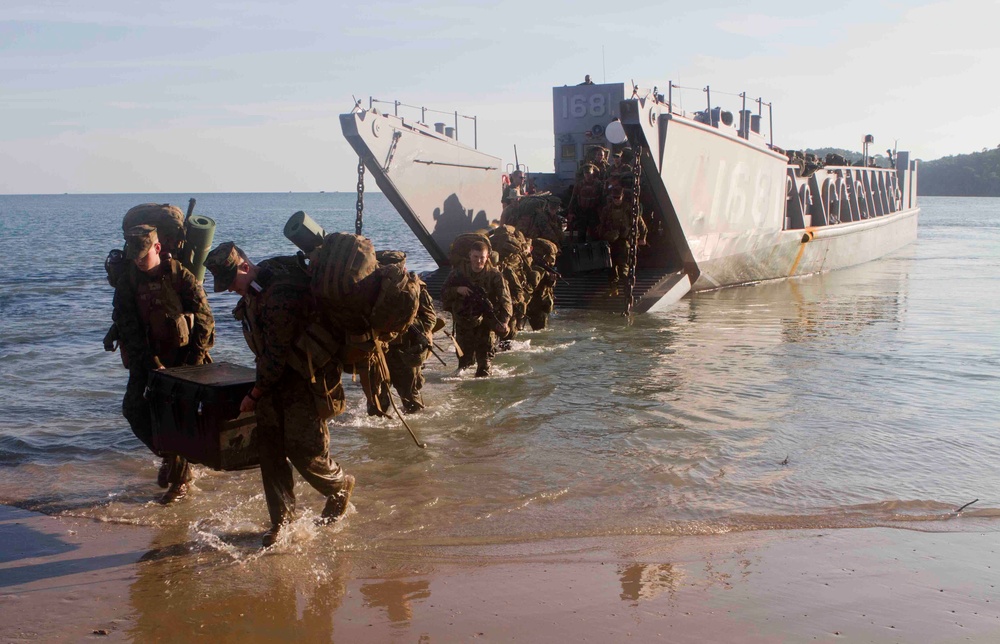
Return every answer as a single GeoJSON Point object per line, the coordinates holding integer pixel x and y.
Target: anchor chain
{"type": "Point", "coordinates": [633, 238]}
{"type": "Point", "coordinates": [359, 220]}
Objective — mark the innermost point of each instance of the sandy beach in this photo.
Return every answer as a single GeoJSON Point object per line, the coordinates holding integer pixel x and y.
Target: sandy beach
{"type": "Point", "coordinates": [67, 580]}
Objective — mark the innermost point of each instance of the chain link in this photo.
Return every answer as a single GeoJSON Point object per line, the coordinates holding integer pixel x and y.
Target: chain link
{"type": "Point", "coordinates": [633, 238]}
{"type": "Point", "coordinates": [359, 221]}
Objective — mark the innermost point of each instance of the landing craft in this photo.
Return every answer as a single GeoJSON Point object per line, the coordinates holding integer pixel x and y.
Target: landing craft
{"type": "Point", "coordinates": [724, 205]}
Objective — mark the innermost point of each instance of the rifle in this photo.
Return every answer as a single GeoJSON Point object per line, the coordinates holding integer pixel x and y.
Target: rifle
{"type": "Point", "coordinates": [477, 299]}
{"type": "Point", "coordinates": [418, 337]}
{"type": "Point", "coordinates": [553, 272]}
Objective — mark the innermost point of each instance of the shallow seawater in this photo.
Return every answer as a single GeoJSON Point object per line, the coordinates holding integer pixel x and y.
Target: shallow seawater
{"type": "Point", "coordinates": [866, 396]}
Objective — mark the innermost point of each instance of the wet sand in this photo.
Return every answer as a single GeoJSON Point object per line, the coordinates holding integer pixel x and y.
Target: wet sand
{"type": "Point", "coordinates": [64, 579]}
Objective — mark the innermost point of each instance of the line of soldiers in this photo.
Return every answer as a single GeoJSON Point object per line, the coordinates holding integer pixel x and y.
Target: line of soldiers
{"type": "Point", "coordinates": [600, 207]}
{"type": "Point", "coordinates": [162, 319]}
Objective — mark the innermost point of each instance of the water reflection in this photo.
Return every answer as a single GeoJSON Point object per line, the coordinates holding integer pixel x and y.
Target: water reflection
{"type": "Point", "coordinates": [395, 596]}
{"type": "Point", "coordinates": [641, 582]}
{"type": "Point", "coordinates": [182, 588]}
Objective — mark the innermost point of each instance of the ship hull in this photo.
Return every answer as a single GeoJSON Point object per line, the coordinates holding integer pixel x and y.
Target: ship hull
{"type": "Point", "coordinates": [793, 253]}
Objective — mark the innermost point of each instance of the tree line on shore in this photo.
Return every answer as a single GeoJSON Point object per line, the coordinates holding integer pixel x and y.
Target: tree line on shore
{"type": "Point", "coordinates": [962, 175]}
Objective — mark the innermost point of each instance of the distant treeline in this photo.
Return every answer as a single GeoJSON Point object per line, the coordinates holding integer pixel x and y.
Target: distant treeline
{"type": "Point", "coordinates": [962, 175]}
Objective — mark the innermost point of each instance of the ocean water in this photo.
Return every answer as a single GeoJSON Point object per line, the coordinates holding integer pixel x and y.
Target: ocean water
{"type": "Point", "coordinates": [861, 397]}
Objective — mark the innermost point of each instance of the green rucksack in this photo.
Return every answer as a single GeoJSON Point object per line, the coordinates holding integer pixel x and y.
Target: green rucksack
{"type": "Point", "coordinates": [397, 301]}
{"type": "Point", "coordinates": [342, 281]}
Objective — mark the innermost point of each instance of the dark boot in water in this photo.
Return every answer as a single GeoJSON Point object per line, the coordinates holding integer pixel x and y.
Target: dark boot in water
{"type": "Point", "coordinates": [175, 492]}
{"type": "Point", "coordinates": [271, 536]}
{"type": "Point", "coordinates": [163, 475]}
{"type": "Point", "coordinates": [336, 504]}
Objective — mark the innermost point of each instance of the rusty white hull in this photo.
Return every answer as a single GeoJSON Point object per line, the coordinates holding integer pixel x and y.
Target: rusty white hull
{"type": "Point", "coordinates": [794, 253]}
{"type": "Point", "coordinates": [738, 213]}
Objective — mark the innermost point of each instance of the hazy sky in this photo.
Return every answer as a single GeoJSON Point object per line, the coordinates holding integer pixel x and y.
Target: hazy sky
{"type": "Point", "coordinates": [202, 96]}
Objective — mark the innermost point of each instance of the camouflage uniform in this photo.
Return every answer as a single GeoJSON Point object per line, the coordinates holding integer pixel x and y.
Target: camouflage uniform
{"type": "Point", "coordinates": [290, 430]}
{"type": "Point", "coordinates": [515, 266]}
{"type": "Point", "coordinates": [586, 203]}
{"type": "Point", "coordinates": [542, 300]}
{"type": "Point", "coordinates": [153, 314]}
{"type": "Point", "coordinates": [511, 194]}
{"type": "Point", "coordinates": [536, 217]}
{"type": "Point", "coordinates": [406, 354]}
{"type": "Point", "coordinates": [596, 156]}
{"type": "Point", "coordinates": [621, 169]}
{"type": "Point", "coordinates": [473, 330]}
{"type": "Point", "coordinates": [616, 228]}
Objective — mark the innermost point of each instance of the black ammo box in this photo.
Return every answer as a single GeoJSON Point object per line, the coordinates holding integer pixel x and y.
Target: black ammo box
{"type": "Point", "coordinates": [581, 257]}
{"type": "Point", "coordinates": [196, 413]}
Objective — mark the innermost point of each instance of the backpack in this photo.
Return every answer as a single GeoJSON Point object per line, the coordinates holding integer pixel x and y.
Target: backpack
{"type": "Point", "coordinates": [397, 301]}
{"type": "Point", "coordinates": [166, 219]}
{"type": "Point", "coordinates": [460, 247]}
{"type": "Point", "coordinates": [341, 271]}
{"type": "Point", "coordinates": [507, 240]}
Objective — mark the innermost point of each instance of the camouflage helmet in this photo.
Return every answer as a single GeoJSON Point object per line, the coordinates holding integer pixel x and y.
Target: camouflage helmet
{"type": "Point", "coordinates": [544, 251]}
{"type": "Point", "coordinates": [223, 262]}
{"type": "Point", "coordinates": [139, 240]}
{"type": "Point", "coordinates": [386, 257]}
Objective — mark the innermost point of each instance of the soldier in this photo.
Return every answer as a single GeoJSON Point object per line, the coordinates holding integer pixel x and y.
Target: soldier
{"type": "Point", "coordinates": [407, 352]}
{"type": "Point", "coordinates": [543, 268]}
{"type": "Point", "coordinates": [163, 320]}
{"type": "Point", "coordinates": [513, 191]}
{"type": "Point", "coordinates": [479, 302]}
{"type": "Point", "coordinates": [616, 228]}
{"type": "Point", "coordinates": [586, 203]}
{"type": "Point", "coordinates": [291, 425]}
{"type": "Point", "coordinates": [597, 155]}
{"type": "Point", "coordinates": [514, 264]}
{"type": "Point", "coordinates": [621, 167]}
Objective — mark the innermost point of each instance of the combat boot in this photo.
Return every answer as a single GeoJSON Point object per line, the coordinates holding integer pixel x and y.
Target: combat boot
{"type": "Point", "coordinates": [336, 504]}
{"type": "Point", "coordinates": [483, 371]}
{"type": "Point", "coordinates": [271, 536]}
{"type": "Point", "coordinates": [163, 475]}
{"type": "Point", "coordinates": [175, 492]}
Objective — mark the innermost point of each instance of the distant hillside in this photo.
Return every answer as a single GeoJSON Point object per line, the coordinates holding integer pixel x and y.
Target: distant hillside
{"type": "Point", "coordinates": [962, 175]}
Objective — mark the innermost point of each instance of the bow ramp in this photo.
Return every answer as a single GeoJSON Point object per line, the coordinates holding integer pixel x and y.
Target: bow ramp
{"type": "Point", "coordinates": [440, 187]}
